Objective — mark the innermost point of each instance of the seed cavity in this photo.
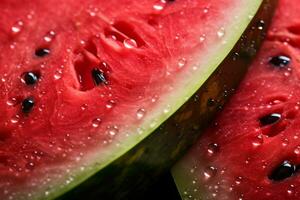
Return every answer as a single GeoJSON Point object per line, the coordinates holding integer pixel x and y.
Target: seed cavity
{"type": "Point", "coordinates": [280, 61]}
{"type": "Point", "coordinates": [90, 71]}
{"type": "Point", "coordinates": [283, 171]}
{"type": "Point", "coordinates": [30, 78]}
{"type": "Point", "coordinates": [270, 119]}
{"type": "Point", "coordinates": [98, 77]}
{"type": "Point", "coordinates": [27, 105]}
{"type": "Point", "coordinates": [42, 52]}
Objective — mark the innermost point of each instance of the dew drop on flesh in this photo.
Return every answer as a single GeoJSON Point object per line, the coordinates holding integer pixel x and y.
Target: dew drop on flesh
{"type": "Point", "coordinates": [96, 122]}
{"type": "Point", "coordinates": [140, 113]}
{"type": "Point", "coordinates": [130, 43]}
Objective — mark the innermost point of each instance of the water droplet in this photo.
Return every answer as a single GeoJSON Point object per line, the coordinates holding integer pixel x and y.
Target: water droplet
{"type": "Point", "coordinates": [12, 101]}
{"type": "Point", "coordinates": [49, 36]}
{"type": "Point", "coordinates": [153, 124]}
{"type": "Point", "coordinates": [112, 130]}
{"type": "Point", "coordinates": [82, 168]}
{"type": "Point", "coordinates": [130, 43]}
{"type": "Point", "coordinates": [181, 62]}
{"type": "Point", "coordinates": [257, 141]}
{"type": "Point", "coordinates": [30, 16]}
{"type": "Point", "coordinates": [160, 5]}
{"type": "Point", "coordinates": [17, 27]}
{"type": "Point", "coordinates": [195, 68]}
{"type": "Point", "coordinates": [84, 107]}
{"type": "Point", "coordinates": [140, 130]}
{"type": "Point", "coordinates": [92, 11]}
{"type": "Point", "coordinates": [209, 172]}
{"type": "Point", "coordinates": [58, 75]}
{"type": "Point", "coordinates": [290, 190]}
{"type": "Point", "coordinates": [110, 104]}
{"type": "Point", "coordinates": [140, 113]}
{"type": "Point", "coordinates": [15, 119]}
{"type": "Point", "coordinates": [238, 180]}
{"type": "Point", "coordinates": [286, 74]}
{"type": "Point", "coordinates": [30, 165]}
{"type": "Point", "coordinates": [96, 122]}
{"type": "Point", "coordinates": [92, 14]}
{"type": "Point", "coordinates": [41, 107]}
{"type": "Point", "coordinates": [205, 10]}
{"type": "Point", "coordinates": [297, 150]}
{"type": "Point", "coordinates": [154, 98]}
{"type": "Point", "coordinates": [167, 109]}
{"type": "Point", "coordinates": [69, 180]}
{"type": "Point", "coordinates": [177, 36]}
{"type": "Point", "coordinates": [221, 32]}
{"type": "Point", "coordinates": [260, 25]}
{"type": "Point", "coordinates": [285, 142]}
{"type": "Point", "coordinates": [211, 102]}
{"type": "Point", "coordinates": [212, 149]}
{"type": "Point", "coordinates": [202, 38]}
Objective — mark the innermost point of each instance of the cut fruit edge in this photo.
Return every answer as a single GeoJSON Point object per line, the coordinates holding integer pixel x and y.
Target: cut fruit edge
{"type": "Point", "coordinates": [183, 171]}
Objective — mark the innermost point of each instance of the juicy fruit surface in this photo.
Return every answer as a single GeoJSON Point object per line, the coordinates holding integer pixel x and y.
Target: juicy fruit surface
{"type": "Point", "coordinates": [252, 150]}
{"type": "Point", "coordinates": [79, 76]}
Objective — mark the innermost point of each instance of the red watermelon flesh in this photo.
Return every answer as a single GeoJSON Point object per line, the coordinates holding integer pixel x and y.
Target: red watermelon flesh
{"type": "Point", "coordinates": [82, 82]}
{"type": "Point", "coordinates": [252, 151]}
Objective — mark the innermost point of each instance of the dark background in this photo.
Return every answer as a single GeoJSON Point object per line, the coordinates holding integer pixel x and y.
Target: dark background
{"type": "Point", "coordinates": [164, 189]}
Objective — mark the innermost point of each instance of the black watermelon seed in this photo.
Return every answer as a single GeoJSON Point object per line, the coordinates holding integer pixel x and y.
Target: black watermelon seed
{"type": "Point", "coordinates": [280, 61]}
{"type": "Point", "coordinates": [98, 77]}
{"type": "Point", "coordinates": [270, 119]}
{"type": "Point", "coordinates": [283, 171]}
{"type": "Point", "coordinates": [30, 78]}
{"type": "Point", "coordinates": [27, 105]}
{"type": "Point", "coordinates": [41, 52]}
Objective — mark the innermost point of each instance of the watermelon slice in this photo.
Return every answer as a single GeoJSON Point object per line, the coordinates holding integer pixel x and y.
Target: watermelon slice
{"type": "Point", "coordinates": [84, 83]}
{"type": "Point", "coordinates": [252, 149]}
